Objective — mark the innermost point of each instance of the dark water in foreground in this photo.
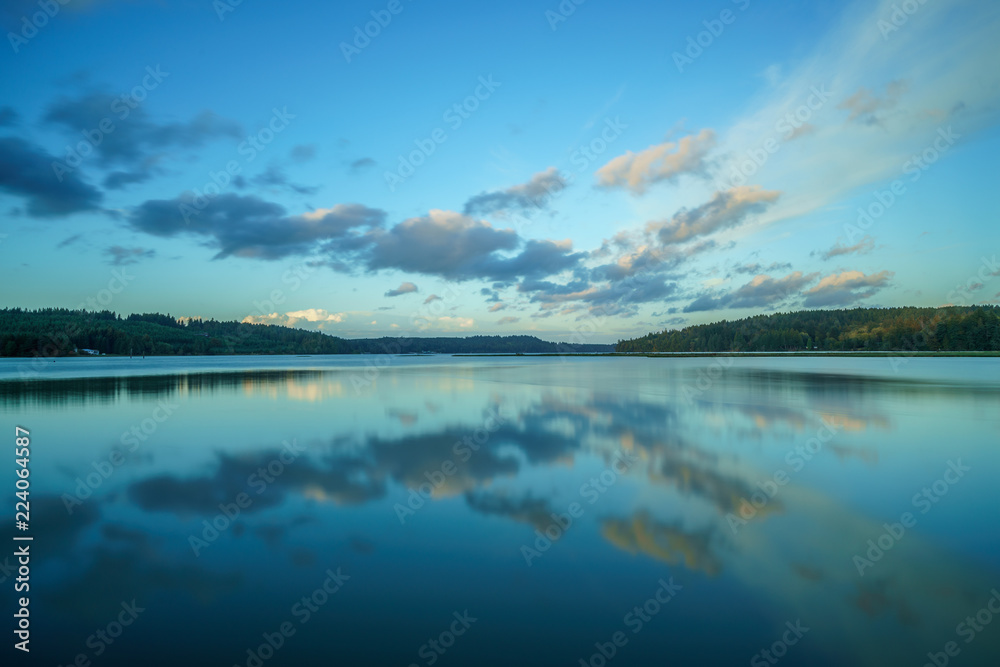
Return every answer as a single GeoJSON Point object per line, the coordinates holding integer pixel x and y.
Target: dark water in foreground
{"type": "Point", "coordinates": [419, 496]}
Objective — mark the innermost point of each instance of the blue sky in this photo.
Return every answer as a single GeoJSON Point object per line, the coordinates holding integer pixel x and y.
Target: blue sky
{"type": "Point", "coordinates": [518, 168]}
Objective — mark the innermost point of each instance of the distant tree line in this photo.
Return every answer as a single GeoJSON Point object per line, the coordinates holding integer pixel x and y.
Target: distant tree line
{"type": "Point", "coordinates": [55, 332]}
{"type": "Point", "coordinates": [473, 345]}
{"type": "Point", "coordinates": [952, 328]}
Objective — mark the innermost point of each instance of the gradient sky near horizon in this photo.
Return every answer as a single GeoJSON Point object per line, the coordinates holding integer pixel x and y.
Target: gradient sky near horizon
{"type": "Point", "coordinates": [592, 174]}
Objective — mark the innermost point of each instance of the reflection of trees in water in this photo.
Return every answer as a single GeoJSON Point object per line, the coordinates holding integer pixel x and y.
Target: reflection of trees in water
{"type": "Point", "coordinates": [770, 385]}
{"type": "Point", "coordinates": [356, 469]}
{"type": "Point", "coordinates": [71, 391]}
{"type": "Point", "coordinates": [800, 555]}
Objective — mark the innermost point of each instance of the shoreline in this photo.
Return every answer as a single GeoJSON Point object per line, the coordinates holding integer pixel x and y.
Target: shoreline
{"type": "Point", "coordinates": [657, 355]}
{"type": "Point", "coordinates": [673, 355]}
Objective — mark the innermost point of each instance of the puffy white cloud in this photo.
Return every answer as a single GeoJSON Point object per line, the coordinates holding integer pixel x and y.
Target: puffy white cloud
{"type": "Point", "coordinates": [726, 209]}
{"type": "Point", "coordinates": [844, 289]}
{"type": "Point", "coordinates": [534, 194]}
{"type": "Point", "coordinates": [404, 288]}
{"type": "Point", "coordinates": [455, 246]}
{"type": "Point", "coordinates": [660, 162]}
{"type": "Point", "coordinates": [352, 237]}
{"type": "Point", "coordinates": [317, 316]}
{"type": "Point", "coordinates": [247, 226]}
{"type": "Point", "coordinates": [761, 292]}
{"type": "Point", "coordinates": [447, 323]}
{"type": "Point", "coordinates": [442, 242]}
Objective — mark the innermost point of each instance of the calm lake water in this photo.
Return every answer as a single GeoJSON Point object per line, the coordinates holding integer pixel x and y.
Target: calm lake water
{"type": "Point", "coordinates": [509, 511]}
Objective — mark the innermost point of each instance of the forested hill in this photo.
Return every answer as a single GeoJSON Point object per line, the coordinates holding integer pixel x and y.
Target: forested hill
{"type": "Point", "coordinates": [60, 332]}
{"type": "Point", "coordinates": [474, 345]}
{"type": "Point", "coordinates": [951, 328]}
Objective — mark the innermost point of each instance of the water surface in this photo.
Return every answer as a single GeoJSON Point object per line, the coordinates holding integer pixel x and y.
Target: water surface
{"type": "Point", "coordinates": [744, 491]}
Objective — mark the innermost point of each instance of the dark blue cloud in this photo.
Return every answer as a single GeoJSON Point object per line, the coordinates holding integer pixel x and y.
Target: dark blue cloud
{"type": "Point", "coordinates": [26, 171]}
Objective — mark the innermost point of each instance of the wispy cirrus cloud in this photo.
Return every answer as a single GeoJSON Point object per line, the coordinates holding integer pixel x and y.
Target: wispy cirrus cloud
{"type": "Point", "coordinates": [361, 164]}
{"type": "Point", "coordinates": [756, 268]}
{"type": "Point", "coordinates": [864, 105]}
{"type": "Point", "coordinates": [275, 177]}
{"type": "Point", "coordinates": [69, 240]}
{"type": "Point", "coordinates": [862, 247]}
{"type": "Point", "coordinates": [878, 100]}
{"type": "Point", "coordinates": [122, 256]}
